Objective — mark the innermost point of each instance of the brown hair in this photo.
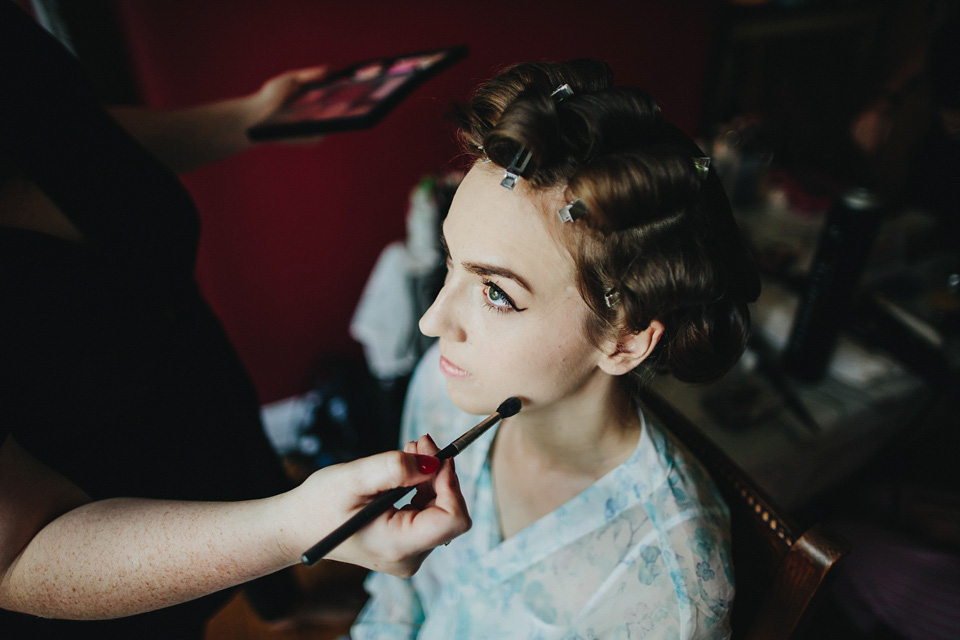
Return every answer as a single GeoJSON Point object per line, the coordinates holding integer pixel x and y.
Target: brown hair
{"type": "Point", "coordinates": [655, 231]}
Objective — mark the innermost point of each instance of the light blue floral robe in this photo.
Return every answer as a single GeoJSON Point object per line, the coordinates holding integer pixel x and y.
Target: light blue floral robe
{"type": "Point", "coordinates": [642, 553]}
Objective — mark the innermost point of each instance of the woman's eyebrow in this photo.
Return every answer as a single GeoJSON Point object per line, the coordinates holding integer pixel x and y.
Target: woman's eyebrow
{"type": "Point", "coordinates": [486, 269]}
{"type": "Point", "coordinates": [490, 270]}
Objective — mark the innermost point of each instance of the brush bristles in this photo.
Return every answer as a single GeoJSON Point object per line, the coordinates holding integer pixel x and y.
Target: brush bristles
{"type": "Point", "coordinates": [509, 407]}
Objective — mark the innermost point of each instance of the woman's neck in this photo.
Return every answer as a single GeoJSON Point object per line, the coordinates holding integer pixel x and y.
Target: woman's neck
{"type": "Point", "coordinates": [542, 458]}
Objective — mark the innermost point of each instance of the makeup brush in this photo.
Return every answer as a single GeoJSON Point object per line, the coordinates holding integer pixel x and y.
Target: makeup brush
{"type": "Point", "coordinates": [385, 500]}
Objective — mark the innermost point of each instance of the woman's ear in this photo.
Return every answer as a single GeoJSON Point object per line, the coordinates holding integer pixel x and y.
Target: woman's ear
{"type": "Point", "coordinates": [631, 349]}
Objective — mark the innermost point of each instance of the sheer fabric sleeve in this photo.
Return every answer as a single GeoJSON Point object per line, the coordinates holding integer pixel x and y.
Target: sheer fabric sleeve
{"type": "Point", "coordinates": [393, 610]}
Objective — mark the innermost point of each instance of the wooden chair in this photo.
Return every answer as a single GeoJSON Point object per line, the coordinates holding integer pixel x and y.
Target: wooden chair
{"type": "Point", "coordinates": [779, 571]}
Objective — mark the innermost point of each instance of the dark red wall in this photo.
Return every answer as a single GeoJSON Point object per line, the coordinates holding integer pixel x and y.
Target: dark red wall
{"type": "Point", "coordinates": [290, 233]}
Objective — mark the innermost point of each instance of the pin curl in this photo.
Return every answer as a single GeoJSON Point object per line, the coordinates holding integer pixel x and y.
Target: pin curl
{"type": "Point", "coordinates": [520, 161]}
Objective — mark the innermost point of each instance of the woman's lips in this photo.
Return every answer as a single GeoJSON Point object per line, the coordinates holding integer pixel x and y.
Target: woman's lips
{"type": "Point", "coordinates": [452, 370]}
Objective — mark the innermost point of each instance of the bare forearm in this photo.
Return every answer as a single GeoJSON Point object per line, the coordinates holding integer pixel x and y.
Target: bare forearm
{"type": "Point", "coordinates": [66, 557]}
{"type": "Point", "coordinates": [125, 556]}
{"type": "Point", "coordinates": [185, 139]}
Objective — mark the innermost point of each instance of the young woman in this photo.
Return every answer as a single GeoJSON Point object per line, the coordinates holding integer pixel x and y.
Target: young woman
{"type": "Point", "coordinates": [589, 246]}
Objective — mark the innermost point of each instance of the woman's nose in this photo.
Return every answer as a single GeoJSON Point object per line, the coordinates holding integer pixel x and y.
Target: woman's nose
{"type": "Point", "coordinates": [440, 320]}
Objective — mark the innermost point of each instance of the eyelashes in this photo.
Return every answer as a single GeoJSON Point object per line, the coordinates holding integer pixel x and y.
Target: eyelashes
{"type": "Point", "coordinates": [497, 299]}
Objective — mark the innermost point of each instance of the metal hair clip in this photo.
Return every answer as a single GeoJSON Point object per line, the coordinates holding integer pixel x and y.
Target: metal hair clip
{"type": "Point", "coordinates": [573, 211]}
{"type": "Point", "coordinates": [703, 166]}
{"type": "Point", "coordinates": [485, 159]}
{"type": "Point", "coordinates": [561, 93]}
{"type": "Point", "coordinates": [515, 170]}
{"type": "Point", "coordinates": [612, 297]}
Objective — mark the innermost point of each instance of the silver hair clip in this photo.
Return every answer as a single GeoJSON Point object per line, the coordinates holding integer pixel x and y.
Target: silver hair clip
{"type": "Point", "coordinates": [573, 211]}
{"type": "Point", "coordinates": [612, 297]}
{"type": "Point", "coordinates": [703, 166]}
{"type": "Point", "coordinates": [515, 170]}
{"type": "Point", "coordinates": [561, 93]}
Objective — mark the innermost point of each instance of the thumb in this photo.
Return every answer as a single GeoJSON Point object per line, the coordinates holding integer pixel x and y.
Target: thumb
{"type": "Point", "coordinates": [310, 74]}
{"type": "Point", "coordinates": [392, 469]}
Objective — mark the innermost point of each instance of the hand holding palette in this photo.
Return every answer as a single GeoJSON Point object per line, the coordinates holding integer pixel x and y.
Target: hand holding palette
{"type": "Point", "coordinates": [356, 97]}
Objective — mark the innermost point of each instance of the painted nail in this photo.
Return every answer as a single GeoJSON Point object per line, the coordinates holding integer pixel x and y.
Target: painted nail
{"type": "Point", "coordinates": [427, 464]}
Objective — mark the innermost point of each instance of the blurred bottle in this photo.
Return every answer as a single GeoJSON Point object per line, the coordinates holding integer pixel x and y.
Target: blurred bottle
{"type": "Point", "coordinates": [842, 253]}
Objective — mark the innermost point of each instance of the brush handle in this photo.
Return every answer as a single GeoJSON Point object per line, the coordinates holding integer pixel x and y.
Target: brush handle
{"type": "Point", "coordinates": [358, 521]}
{"type": "Point", "coordinates": [365, 516]}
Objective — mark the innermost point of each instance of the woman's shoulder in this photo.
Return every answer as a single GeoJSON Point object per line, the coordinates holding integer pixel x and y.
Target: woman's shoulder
{"type": "Point", "coordinates": [693, 526]}
{"type": "Point", "coordinates": [681, 478]}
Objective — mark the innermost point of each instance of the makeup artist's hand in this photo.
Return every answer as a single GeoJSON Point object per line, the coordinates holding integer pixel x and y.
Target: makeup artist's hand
{"type": "Point", "coordinates": [398, 541]}
{"type": "Point", "coordinates": [278, 90]}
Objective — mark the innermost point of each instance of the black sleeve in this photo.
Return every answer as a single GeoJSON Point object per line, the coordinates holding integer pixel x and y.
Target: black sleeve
{"type": "Point", "coordinates": [56, 133]}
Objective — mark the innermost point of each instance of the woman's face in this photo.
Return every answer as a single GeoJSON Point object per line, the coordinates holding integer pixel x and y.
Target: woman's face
{"type": "Point", "coordinates": [509, 318]}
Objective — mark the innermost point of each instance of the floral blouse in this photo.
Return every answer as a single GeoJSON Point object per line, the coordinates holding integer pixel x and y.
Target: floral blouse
{"type": "Point", "coordinates": [642, 553]}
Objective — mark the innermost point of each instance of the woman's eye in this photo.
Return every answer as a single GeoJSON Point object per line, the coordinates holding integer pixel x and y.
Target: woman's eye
{"type": "Point", "coordinates": [496, 298]}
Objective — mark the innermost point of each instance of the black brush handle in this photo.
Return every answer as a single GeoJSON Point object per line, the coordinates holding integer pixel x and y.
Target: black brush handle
{"type": "Point", "coordinates": [358, 521]}
{"type": "Point", "coordinates": [364, 517]}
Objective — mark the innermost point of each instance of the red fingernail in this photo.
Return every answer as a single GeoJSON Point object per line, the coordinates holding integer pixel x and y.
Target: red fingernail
{"type": "Point", "coordinates": [427, 464]}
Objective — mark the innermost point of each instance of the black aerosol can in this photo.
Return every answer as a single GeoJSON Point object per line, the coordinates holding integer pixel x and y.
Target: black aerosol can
{"type": "Point", "coordinates": [844, 247]}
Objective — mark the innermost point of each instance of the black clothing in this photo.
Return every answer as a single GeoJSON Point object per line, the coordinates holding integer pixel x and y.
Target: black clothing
{"type": "Point", "coordinates": [113, 369]}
